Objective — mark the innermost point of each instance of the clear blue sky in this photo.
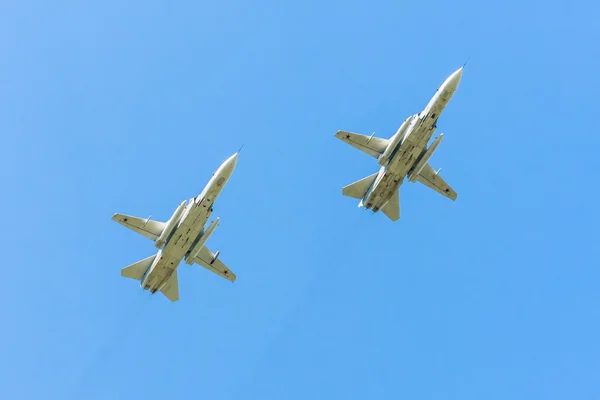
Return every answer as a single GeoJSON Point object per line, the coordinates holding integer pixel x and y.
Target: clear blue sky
{"type": "Point", "coordinates": [113, 107]}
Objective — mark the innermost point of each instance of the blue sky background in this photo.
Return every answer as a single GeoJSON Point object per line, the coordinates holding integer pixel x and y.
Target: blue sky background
{"type": "Point", "coordinates": [111, 107]}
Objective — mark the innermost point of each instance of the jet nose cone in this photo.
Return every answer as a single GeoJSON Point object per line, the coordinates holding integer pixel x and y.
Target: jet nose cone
{"type": "Point", "coordinates": [229, 164]}
{"type": "Point", "coordinates": [459, 72]}
{"type": "Point", "coordinates": [451, 83]}
{"type": "Point", "coordinates": [232, 160]}
{"type": "Point", "coordinates": [455, 77]}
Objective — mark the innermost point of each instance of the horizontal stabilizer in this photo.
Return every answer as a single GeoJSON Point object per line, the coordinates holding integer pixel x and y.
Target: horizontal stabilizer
{"type": "Point", "coordinates": [432, 180]}
{"type": "Point", "coordinates": [206, 259]}
{"type": "Point", "coordinates": [171, 288]}
{"type": "Point", "coordinates": [150, 229]}
{"type": "Point", "coordinates": [392, 207]}
{"type": "Point", "coordinates": [136, 271]}
{"type": "Point", "coordinates": [373, 146]}
{"type": "Point", "coordinates": [358, 189]}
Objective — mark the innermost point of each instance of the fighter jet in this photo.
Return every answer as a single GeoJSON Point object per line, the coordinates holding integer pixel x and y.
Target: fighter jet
{"type": "Point", "coordinates": [182, 237]}
{"type": "Point", "coordinates": [403, 155]}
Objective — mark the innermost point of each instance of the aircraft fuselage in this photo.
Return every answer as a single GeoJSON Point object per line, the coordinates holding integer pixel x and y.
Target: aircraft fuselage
{"type": "Point", "coordinates": [188, 230]}
{"type": "Point", "coordinates": [410, 148]}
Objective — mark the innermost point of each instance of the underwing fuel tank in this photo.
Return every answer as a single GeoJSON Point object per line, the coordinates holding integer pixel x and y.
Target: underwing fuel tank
{"type": "Point", "coordinates": [412, 177]}
{"type": "Point", "coordinates": [394, 142]}
{"type": "Point", "coordinates": [171, 225]}
{"type": "Point", "coordinates": [198, 246]}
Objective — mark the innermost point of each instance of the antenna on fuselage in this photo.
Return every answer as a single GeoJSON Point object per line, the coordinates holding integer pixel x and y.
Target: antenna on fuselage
{"type": "Point", "coordinates": [147, 220]}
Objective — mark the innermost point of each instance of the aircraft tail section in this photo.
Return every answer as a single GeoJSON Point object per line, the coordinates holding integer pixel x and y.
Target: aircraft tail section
{"type": "Point", "coordinates": [392, 207]}
{"type": "Point", "coordinates": [145, 227]}
{"type": "Point", "coordinates": [358, 189]}
{"type": "Point", "coordinates": [136, 271]}
{"type": "Point", "coordinates": [171, 288]}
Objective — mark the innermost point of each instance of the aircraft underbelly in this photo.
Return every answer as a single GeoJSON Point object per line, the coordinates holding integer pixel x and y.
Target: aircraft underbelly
{"type": "Point", "coordinates": [383, 190]}
{"type": "Point", "coordinates": [401, 163]}
{"type": "Point", "coordinates": [177, 247]}
{"type": "Point", "coordinates": [160, 273]}
{"type": "Point", "coordinates": [411, 149]}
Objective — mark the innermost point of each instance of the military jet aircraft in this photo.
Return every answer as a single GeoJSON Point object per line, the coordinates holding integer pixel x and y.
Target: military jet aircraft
{"type": "Point", "coordinates": [182, 237]}
{"type": "Point", "coordinates": [403, 155]}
